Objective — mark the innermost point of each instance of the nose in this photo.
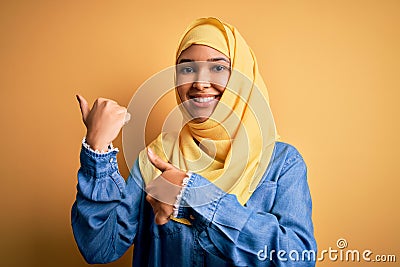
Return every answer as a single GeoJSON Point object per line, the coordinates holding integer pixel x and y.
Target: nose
{"type": "Point", "coordinates": [202, 80]}
{"type": "Point", "coordinates": [201, 85]}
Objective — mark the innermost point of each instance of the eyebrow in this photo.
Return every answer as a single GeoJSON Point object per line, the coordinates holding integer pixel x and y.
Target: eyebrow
{"type": "Point", "coordinates": [215, 59]}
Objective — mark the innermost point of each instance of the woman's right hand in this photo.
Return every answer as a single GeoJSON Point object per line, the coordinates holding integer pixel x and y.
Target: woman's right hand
{"type": "Point", "coordinates": [103, 122]}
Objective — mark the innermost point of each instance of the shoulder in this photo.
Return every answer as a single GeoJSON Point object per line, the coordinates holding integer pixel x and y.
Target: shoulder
{"type": "Point", "coordinates": [286, 156]}
{"type": "Point", "coordinates": [286, 151]}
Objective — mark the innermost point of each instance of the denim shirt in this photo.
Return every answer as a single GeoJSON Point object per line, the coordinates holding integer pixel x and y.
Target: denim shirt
{"type": "Point", "coordinates": [274, 227]}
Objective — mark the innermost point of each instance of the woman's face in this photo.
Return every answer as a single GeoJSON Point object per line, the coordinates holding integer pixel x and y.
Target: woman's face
{"type": "Point", "coordinates": [201, 76]}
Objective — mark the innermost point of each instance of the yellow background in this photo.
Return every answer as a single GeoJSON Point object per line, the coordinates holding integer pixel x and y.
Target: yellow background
{"type": "Point", "coordinates": [332, 69]}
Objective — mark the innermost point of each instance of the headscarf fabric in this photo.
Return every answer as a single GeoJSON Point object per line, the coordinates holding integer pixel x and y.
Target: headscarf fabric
{"type": "Point", "coordinates": [234, 146]}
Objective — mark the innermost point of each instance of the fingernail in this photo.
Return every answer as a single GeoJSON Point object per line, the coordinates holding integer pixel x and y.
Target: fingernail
{"type": "Point", "coordinates": [150, 151]}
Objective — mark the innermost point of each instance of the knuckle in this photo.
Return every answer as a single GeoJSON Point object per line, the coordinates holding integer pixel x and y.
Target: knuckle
{"type": "Point", "coordinates": [108, 103]}
{"type": "Point", "coordinates": [150, 199]}
{"type": "Point", "coordinates": [105, 101]}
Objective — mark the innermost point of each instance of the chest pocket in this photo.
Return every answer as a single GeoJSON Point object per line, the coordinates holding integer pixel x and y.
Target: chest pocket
{"type": "Point", "coordinates": [171, 228]}
{"type": "Point", "coordinates": [262, 200]}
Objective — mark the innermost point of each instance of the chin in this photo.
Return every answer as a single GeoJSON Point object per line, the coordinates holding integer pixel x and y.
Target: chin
{"type": "Point", "coordinates": [199, 114]}
{"type": "Point", "coordinates": [200, 119]}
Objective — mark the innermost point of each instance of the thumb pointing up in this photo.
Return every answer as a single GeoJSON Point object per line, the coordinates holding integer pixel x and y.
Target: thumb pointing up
{"type": "Point", "coordinates": [83, 104]}
{"type": "Point", "coordinates": [103, 121]}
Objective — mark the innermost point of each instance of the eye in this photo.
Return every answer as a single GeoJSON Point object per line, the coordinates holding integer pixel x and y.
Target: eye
{"type": "Point", "coordinates": [186, 69]}
{"type": "Point", "coordinates": [219, 68]}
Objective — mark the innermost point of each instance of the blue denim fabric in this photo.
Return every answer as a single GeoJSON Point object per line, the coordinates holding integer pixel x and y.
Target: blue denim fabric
{"type": "Point", "coordinates": [109, 215]}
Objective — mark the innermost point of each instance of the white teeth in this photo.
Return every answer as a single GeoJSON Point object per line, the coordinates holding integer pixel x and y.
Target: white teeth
{"type": "Point", "coordinates": [203, 99]}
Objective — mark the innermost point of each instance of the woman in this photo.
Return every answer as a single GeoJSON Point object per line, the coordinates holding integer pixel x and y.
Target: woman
{"type": "Point", "coordinates": [223, 192]}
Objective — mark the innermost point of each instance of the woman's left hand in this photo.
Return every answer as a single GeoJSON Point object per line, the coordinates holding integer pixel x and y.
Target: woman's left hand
{"type": "Point", "coordinates": [162, 191]}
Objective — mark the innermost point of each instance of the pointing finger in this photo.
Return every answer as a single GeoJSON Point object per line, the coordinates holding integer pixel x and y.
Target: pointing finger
{"type": "Point", "coordinates": [157, 161]}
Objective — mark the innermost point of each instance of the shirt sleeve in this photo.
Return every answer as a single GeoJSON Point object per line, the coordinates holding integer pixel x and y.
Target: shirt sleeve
{"type": "Point", "coordinates": [246, 237]}
{"type": "Point", "coordinates": [105, 213]}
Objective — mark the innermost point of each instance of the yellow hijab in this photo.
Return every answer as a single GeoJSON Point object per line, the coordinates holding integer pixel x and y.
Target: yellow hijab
{"type": "Point", "coordinates": [237, 141]}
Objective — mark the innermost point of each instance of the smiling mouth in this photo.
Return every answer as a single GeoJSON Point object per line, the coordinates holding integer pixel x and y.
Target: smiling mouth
{"type": "Point", "coordinates": [204, 99]}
